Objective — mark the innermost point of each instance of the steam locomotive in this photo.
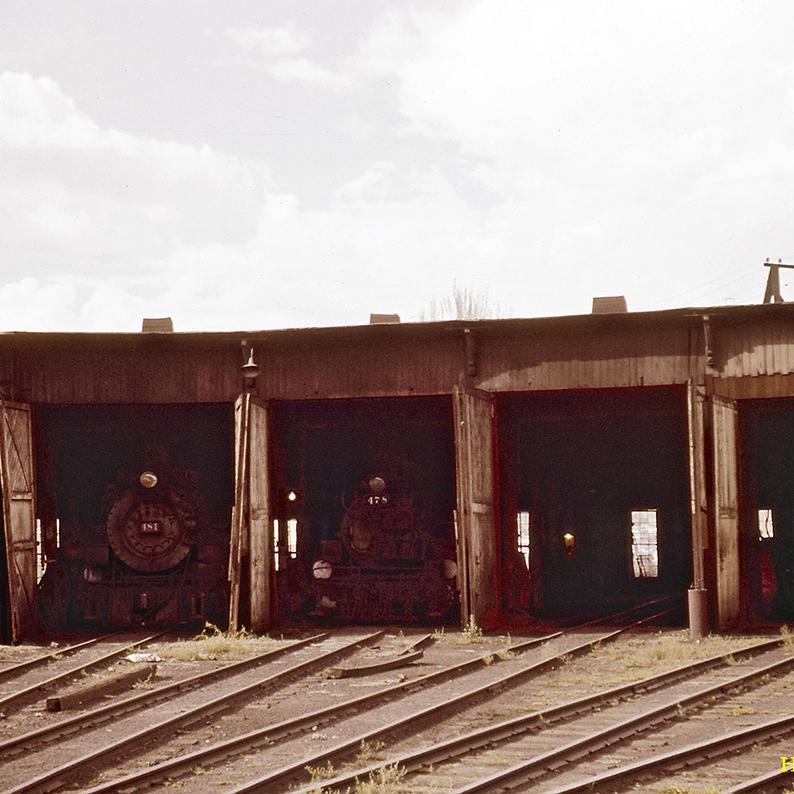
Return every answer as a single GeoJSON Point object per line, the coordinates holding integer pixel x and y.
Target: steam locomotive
{"type": "Point", "coordinates": [156, 559]}
{"type": "Point", "coordinates": [382, 565]}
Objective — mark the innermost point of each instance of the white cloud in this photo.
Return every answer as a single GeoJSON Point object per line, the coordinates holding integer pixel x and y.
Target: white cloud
{"type": "Point", "coordinates": [303, 70]}
{"type": "Point", "coordinates": [279, 51]}
{"type": "Point", "coordinates": [74, 192]}
{"type": "Point", "coordinates": [545, 152]}
{"type": "Point", "coordinates": [626, 146]}
{"type": "Point", "coordinates": [258, 40]}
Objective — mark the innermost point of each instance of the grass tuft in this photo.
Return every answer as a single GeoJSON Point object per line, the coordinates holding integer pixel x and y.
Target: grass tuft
{"type": "Point", "coordinates": [214, 644]}
{"type": "Point", "coordinates": [386, 780]}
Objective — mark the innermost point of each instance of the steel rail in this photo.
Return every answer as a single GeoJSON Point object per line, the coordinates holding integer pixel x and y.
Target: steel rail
{"type": "Point", "coordinates": [38, 661]}
{"type": "Point", "coordinates": [73, 671]}
{"type": "Point", "coordinates": [423, 642]}
{"type": "Point", "coordinates": [53, 778]}
{"type": "Point", "coordinates": [529, 769]}
{"type": "Point", "coordinates": [242, 743]}
{"type": "Point", "coordinates": [762, 781]}
{"type": "Point", "coordinates": [270, 779]}
{"type": "Point", "coordinates": [431, 712]}
{"type": "Point", "coordinates": [447, 750]}
{"type": "Point", "coordinates": [65, 727]}
{"type": "Point", "coordinates": [691, 754]}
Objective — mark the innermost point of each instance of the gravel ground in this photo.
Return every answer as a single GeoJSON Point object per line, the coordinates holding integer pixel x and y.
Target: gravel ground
{"type": "Point", "coordinates": [629, 658]}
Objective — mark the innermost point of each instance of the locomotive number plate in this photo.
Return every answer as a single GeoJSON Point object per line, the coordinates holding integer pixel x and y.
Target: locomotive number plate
{"type": "Point", "coordinates": [150, 528]}
{"type": "Point", "coordinates": [377, 500]}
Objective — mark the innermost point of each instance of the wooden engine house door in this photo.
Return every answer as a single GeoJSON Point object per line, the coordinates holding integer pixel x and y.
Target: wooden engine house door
{"type": "Point", "coordinates": [726, 509]}
{"type": "Point", "coordinates": [476, 536]}
{"type": "Point", "coordinates": [250, 546]}
{"type": "Point", "coordinates": [19, 515]}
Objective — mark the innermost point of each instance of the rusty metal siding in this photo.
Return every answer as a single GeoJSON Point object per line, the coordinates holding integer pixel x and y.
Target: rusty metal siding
{"type": "Point", "coordinates": [144, 374]}
{"type": "Point", "coordinates": [304, 366]}
{"type": "Point", "coordinates": [749, 344]}
{"type": "Point", "coordinates": [753, 349]}
{"type": "Point", "coordinates": [761, 387]}
{"type": "Point", "coordinates": [602, 358]}
{"type": "Point", "coordinates": [381, 366]}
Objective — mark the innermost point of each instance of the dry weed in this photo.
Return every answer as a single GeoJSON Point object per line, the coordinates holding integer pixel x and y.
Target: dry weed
{"type": "Point", "coordinates": [386, 780]}
{"type": "Point", "coordinates": [214, 644]}
{"type": "Point", "coordinates": [368, 752]}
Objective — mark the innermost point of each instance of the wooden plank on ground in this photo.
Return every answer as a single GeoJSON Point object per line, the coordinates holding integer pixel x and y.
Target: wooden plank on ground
{"type": "Point", "coordinates": [108, 685]}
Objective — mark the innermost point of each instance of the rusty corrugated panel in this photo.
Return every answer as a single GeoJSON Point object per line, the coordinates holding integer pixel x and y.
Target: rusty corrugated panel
{"type": "Point", "coordinates": [752, 349]}
{"type": "Point", "coordinates": [588, 351]}
{"type": "Point", "coordinates": [613, 357]}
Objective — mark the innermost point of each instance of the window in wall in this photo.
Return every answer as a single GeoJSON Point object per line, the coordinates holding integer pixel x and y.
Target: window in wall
{"type": "Point", "coordinates": [766, 527]}
{"type": "Point", "coordinates": [644, 544]}
{"type": "Point", "coordinates": [41, 562]}
{"type": "Point", "coordinates": [291, 550]}
{"type": "Point", "coordinates": [292, 537]}
{"type": "Point", "coordinates": [522, 535]}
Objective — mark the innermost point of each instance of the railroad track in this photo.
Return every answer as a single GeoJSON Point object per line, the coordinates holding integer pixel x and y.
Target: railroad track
{"type": "Point", "coordinates": [37, 675]}
{"type": "Point", "coordinates": [165, 714]}
{"type": "Point", "coordinates": [15, 670]}
{"type": "Point", "coordinates": [63, 728]}
{"type": "Point", "coordinates": [428, 699]}
{"type": "Point", "coordinates": [543, 739]}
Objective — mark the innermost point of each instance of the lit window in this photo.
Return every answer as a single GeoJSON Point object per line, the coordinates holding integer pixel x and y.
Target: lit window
{"type": "Point", "coordinates": [292, 541]}
{"type": "Point", "coordinates": [522, 528]}
{"type": "Point", "coordinates": [766, 528]}
{"type": "Point", "coordinates": [644, 545]}
{"type": "Point", "coordinates": [292, 537]}
{"type": "Point", "coordinates": [41, 562]}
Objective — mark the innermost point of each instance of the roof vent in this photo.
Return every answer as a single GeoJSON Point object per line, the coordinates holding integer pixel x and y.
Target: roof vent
{"type": "Point", "coordinates": [157, 325]}
{"type": "Point", "coordinates": [383, 319]}
{"type": "Point", "coordinates": [615, 304]}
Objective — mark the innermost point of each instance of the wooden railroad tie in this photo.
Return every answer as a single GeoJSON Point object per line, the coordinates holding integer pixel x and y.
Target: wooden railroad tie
{"type": "Point", "coordinates": [108, 685]}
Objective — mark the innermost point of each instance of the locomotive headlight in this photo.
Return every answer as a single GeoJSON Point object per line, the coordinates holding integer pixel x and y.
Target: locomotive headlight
{"type": "Point", "coordinates": [322, 569]}
{"type": "Point", "coordinates": [148, 479]}
{"type": "Point", "coordinates": [377, 484]}
{"type": "Point", "coordinates": [449, 568]}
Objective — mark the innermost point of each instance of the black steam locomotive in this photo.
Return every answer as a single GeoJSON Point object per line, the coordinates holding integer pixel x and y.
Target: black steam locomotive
{"type": "Point", "coordinates": [382, 565]}
{"type": "Point", "coordinates": [156, 559]}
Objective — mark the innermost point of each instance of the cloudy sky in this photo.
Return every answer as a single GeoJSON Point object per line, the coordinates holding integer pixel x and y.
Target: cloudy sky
{"type": "Point", "coordinates": [270, 163]}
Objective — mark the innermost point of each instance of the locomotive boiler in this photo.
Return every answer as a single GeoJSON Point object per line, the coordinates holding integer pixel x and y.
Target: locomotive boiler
{"type": "Point", "coordinates": [383, 564]}
{"type": "Point", "coordinates": [155, 560]}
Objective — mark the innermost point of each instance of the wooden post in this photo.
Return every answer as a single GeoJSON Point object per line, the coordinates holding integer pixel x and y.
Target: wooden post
{"type": "Point", "coordinates": [260, 546]}
{"type": "Point", "coordinates": [241, 421]}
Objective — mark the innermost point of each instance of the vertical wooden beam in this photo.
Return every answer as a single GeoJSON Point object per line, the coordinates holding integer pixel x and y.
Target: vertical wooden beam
{"type": "Point", "coordinates": [461, 511]}
{"type": "Point", "coordinates": [260, 546]}
{"type": "Point", "coordinates": [239, 511]}
{"type": "Point", "coordinates": [726, 510]}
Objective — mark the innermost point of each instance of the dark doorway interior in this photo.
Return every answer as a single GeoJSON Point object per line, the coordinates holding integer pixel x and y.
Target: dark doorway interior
{"type": "Point", "coordinates": [350, 548]}
{"type": "Point", "coordinates": [135, 505]}
{"type": "Point", "coordinates": [595, 500]}
{"type": "Point", "coordinates": [767, 442]}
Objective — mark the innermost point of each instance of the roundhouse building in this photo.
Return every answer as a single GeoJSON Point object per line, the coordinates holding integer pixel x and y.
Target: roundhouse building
{"type": "Point", "coordinates": [509, 470]}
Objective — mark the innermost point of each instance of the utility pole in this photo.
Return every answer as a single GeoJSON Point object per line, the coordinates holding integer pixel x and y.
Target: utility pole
{"type": "Point", "coordinates": [772, 294]}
